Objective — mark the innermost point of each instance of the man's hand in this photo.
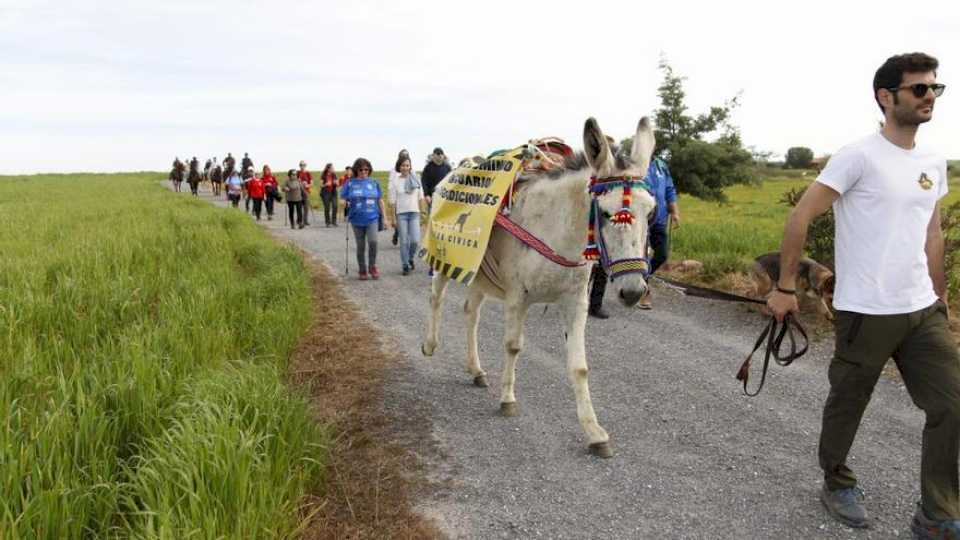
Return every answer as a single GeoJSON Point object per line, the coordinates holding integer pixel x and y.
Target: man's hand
{"type": "Point", "coordinates": [675, 220]}
{"type": "Point", "coordinates": [780, 304]}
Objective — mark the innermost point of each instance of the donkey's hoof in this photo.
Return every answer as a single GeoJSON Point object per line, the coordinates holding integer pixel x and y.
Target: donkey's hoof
{"type": "Point", "coordinates": [509, 409]}
{"type": "Point", "coordinates": [480, 381]}
{"type": "Point", "coordinates": [427, 350]}
{"type": "Point", "coordinates": [601, 449]}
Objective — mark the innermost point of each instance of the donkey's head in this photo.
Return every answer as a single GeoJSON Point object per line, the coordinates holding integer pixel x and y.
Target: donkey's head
{"type": "Point", "coordinates": [622, 206]}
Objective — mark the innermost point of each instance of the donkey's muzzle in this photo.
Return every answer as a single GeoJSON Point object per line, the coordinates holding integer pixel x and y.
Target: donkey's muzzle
{"type": "Point", "coordinates": [630, 297]}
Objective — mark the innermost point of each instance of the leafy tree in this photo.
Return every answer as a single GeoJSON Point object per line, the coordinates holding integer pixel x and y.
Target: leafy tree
{"type": "Point", "coordinates": [700, 168]}
{"type": "Point", "coordinates": [798, 157]}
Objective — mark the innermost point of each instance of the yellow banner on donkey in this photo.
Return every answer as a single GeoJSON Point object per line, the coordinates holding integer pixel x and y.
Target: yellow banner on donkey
{"type": "Point", "coordinates": [462, 213]}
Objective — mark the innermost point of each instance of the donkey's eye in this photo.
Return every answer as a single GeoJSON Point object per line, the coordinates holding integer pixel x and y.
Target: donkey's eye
{"type": "Point", "coordinates": [605, 214]}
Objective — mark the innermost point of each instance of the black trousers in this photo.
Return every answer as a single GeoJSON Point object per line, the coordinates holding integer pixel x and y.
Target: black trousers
{"type": "Point", "coordinates": [329, 199]}
{"type": "Point", "coordinates": [257, 207]}
{"type": "Point", "coordinates": [298, 207]}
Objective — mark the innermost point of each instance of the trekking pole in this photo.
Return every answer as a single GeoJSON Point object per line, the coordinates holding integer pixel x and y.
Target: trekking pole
{"type": "Point", "coordinates": [346, 249]}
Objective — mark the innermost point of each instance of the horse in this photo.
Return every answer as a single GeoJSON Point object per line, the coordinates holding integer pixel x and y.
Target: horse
{"type": "Point", "coordinates": [556, 207]}
{"type": "Point", "coordinates": [193, 178]}
{"type": "Point", "coordinates": [216, 179]}
{"type": "Point", "coordinates": [177, 174]}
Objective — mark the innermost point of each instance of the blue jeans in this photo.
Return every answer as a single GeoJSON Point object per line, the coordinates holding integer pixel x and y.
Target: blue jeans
{"type": "Point", "coordinates": [408, 223]}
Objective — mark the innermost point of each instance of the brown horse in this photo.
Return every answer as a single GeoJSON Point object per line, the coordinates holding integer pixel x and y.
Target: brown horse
{"type": "Point", "coordinates": [177, 174]}
{"type": "Point", "coordinates": [216, 179]}
{"type": "Point", "coordinates": [194, 176]}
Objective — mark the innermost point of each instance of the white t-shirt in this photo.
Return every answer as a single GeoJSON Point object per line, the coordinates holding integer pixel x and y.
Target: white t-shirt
{"type": "Point", "coordinates": [399, 198]}
{"type": "Point", "coordinates": [887, 197]}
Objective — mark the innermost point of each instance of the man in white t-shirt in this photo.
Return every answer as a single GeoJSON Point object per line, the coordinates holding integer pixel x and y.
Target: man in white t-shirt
{"type": "Point", "coordinates": [891, 293]}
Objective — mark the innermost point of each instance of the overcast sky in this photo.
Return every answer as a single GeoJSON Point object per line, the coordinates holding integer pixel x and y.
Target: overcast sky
{"type": "Point", "coordinates": [127, 85]}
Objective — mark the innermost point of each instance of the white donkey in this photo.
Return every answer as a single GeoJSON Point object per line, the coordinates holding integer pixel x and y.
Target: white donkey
{"type": "Point", "coordinates": [556, 208]}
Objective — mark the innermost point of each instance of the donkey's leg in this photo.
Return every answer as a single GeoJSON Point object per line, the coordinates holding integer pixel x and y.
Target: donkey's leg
{"type": "Point", "coordinates": [471, 307]}
{"type": "Point", "coordinates": [515, 312]}
{"type": "Point", "coordinates": [437, 290]}
{"type": "Point", "coordinates": [575, 318]}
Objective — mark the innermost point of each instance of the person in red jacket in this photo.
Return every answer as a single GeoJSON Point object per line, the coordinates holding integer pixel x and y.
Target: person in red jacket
{"type": "Point", "coordinates": [271, 190]}
{"type": "Point", "coordinates": [256, 192]}
{"type": "Point", "coordinates": [328, 194]}
{"type": "Point", "coordinates": [306, 180]}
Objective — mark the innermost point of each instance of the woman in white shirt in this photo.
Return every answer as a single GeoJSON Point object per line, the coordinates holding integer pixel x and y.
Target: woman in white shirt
{"type": "Point", "coordinates": [405, 193]}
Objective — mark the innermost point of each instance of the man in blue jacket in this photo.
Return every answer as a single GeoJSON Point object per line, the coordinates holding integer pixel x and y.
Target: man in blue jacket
{"type": "Point", "coordinates": [667, 213]}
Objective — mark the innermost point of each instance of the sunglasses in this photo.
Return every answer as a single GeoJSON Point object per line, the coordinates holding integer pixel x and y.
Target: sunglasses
{"type": "Point", "coordinates": [920, 89]}
{"type": "Point", "coordinates": [362, 169]}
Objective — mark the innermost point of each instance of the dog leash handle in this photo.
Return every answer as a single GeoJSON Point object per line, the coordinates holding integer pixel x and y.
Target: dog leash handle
{"type": "Point", "coordinates": [774, 333]}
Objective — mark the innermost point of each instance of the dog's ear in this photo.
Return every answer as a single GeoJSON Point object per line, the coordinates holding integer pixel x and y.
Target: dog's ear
{"type": "Point", "coordinates": [826, 281]}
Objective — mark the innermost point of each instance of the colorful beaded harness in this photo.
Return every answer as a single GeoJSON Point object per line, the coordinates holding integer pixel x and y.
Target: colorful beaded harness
{"type": "Point", "coordinates": [596, 247]}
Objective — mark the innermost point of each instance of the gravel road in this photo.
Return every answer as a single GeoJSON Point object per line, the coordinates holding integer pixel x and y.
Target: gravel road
{"type": "Point", "coordinates": [694, 458]}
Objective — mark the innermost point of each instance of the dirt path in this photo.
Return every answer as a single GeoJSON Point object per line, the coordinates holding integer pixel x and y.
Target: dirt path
{"type": "Point", "coordinates": [693, 457]}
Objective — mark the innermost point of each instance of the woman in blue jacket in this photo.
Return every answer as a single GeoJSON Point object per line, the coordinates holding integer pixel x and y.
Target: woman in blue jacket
{"type": "Point", "coordinates": [365, 198]}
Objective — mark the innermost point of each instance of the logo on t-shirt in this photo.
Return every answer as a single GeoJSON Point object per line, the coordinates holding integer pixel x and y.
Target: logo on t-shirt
{"type": "Point", "coordinates": [925, 182]}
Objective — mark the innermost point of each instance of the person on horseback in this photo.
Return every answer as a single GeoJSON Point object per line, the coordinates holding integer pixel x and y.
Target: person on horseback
{"type": "Point", "coordinates": [246, 163]}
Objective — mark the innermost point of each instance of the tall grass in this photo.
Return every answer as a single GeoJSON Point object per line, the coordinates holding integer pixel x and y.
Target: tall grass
{"type": "Point", "coordinates": [143, 336]}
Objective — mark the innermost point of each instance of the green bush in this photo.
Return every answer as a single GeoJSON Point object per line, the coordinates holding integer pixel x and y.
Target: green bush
{"type": "Point", "coordinates": [820, 233]}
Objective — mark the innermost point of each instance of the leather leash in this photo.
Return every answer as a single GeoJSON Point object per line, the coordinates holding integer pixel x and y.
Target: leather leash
{"type": "Point", "coordinates": [773, 333]}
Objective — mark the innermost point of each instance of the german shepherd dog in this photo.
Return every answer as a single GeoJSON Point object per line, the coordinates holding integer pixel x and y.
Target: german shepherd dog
{"type": "Point", "coordinates": [813, 280]}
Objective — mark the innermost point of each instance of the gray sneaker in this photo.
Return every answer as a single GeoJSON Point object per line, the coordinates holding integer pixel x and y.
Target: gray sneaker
{"type": "Point", "coordinates": [925, 528]}
{"type": "Point", "coordinates": [846, 506]}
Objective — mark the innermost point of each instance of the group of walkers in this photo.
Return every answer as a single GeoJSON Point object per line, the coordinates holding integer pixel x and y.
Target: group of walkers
{"type": "Point", "coordinates": [363, 198]}
{"type": "Point", "coordinates": [407, 192]}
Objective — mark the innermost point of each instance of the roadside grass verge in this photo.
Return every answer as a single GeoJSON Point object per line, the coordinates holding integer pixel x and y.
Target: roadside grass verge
{"type": "Point", "coordinates": [145, 341]}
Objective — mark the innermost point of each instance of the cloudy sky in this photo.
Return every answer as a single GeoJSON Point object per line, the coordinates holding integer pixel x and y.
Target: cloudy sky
{"type": "Point", "coordinates": [106, 85]}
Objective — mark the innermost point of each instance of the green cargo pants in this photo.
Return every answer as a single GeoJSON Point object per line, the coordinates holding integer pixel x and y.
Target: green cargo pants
{"type": "Point", "coordinates": [927, 357]}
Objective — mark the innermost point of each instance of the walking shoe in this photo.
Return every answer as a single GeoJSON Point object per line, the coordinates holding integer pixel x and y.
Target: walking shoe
{"type": "Point", "coordinates": [598, 313]}
{"type": "Point", "coordinates": [363, 276]}
{"type": "Point", "coordinates": [406, 271]}
{"type": "Point", "coordinates": [374, 273]}
{"type": "Point", "coordinates": [925, 528]}
{"type": "Point", "coordinates": [846, 506]}
{"type": "Point", "coordinates": [644, 302]}
{"type": "Point", "coordinates": [412, 267]}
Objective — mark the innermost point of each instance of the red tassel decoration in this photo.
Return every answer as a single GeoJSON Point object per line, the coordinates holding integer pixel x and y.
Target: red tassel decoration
{"type": "Point", "coordinates": [624, 216]}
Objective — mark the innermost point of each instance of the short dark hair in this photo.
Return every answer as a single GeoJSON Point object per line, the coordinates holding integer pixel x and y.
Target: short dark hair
{"type": "Point", "coordinates": [400, 161]}
{"type": "Point", "coordinates": [359, 163]}
{"type": "Point", "coordinates": [890, 74]}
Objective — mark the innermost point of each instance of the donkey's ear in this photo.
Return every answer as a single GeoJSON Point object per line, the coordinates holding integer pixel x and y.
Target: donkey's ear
{"type": "Point", "coordinates": [643, 144]}
{"type": "Point", "coordinates": [596, 146]}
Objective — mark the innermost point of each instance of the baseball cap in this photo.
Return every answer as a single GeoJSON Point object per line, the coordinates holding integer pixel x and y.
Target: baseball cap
{"type": "Point", "coordinates": [438, 151]}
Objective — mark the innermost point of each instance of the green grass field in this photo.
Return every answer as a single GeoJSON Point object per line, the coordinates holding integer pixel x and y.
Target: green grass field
{"type": "Point", "coordinates": [727, 236]}
{"type": "Point", "coordinates": [144, 338]}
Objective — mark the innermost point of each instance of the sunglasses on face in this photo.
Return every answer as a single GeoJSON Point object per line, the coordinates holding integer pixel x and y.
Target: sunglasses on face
{"type": "Point", "coordinates": [920, 89]}
{"type": "Point", "coordinates": [363, 169]}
